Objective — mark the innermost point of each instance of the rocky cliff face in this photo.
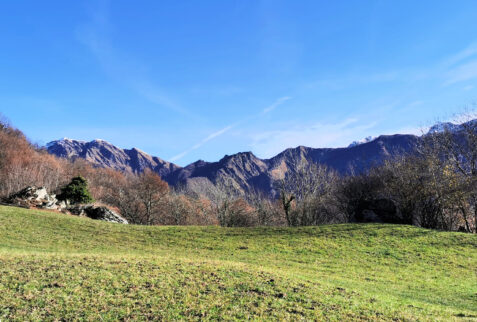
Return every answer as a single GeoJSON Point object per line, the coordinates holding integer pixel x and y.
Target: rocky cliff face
{"type": "Point", "coordinates": [243, 170]}
{"type": "Point", "coordinates": [103, 154]}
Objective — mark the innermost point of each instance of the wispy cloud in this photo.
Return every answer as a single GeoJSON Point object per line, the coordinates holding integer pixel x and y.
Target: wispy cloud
{"type": "Point", "coordinates": [217, 90]}
{"type": "Point", "coordinates": [463, 72]}
{"type": "Point", "coordinates": [96, 36]}
{"type": "Point", "coordinates": [461, 66]}
{"type": "Point", "coordinates": [222, 131]}
{"type": "Point", "coordinates": [213, 136]}
{"type": "Point", "coordinates": [343, 81]}
{"type": "Point", "coordinates": [415, 103]}
{"type": "Point", "coordinates": [269, 143]}
{"type": "Point", "coordinates": [179, 156]}
{"type": "Point", "coordinates": [202, 142]}
{"type": "Point", "coordinates": [458, 67]}
{"type": "Point", "coordinates": [462, 55]}
{"type": "Point", "coordinates": [277, 103]}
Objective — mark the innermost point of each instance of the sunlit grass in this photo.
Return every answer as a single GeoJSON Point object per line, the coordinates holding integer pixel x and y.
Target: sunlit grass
{"type": "Point", "coordinates": [55, 266]}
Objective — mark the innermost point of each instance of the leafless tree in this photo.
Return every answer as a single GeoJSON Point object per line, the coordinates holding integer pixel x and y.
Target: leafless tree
{"type": "Point", "coordinates": [268, 212]}
{"type": "Point", "coordinates": [308, 195]}
{"type": "Point", "coordinates": [456, 149]}
{"type": "Point", "coordinates": [152, 192]}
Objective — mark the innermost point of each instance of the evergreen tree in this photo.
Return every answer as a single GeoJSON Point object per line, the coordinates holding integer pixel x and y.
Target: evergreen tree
{"type": "Point", "coordinates": [76, 191]}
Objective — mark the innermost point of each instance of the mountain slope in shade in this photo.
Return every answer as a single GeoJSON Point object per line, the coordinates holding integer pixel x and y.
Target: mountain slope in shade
{"type": "Point", "coordinates": [243, 170]}
{"type": "Point", "coordinates": [103, 154]}
{"type": "Point", "coordinates": [246, 171]}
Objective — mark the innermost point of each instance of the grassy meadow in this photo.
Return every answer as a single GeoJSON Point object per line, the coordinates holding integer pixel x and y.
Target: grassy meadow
{"type": "Point", "coordinates": [55, 266]}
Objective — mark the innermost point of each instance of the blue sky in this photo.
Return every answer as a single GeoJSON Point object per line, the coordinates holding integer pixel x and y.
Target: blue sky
{"type": "Point", "coordinates": [188, 80]}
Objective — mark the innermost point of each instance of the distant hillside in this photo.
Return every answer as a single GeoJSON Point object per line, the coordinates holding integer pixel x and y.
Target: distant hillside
{"type": "Point", "coordinates": [244, 170]}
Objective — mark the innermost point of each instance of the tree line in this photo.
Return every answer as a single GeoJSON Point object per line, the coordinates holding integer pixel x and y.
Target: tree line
{"type": "Point", "coordinates": [434, 186]}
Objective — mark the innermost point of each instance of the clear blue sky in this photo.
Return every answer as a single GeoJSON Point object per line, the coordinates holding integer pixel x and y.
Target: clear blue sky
{"type": "Point", "coordinates": [188, 80]}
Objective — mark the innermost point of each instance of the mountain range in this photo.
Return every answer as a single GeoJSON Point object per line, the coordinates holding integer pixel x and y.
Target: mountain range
{"type": "Point", "coordinates": [243, 170]}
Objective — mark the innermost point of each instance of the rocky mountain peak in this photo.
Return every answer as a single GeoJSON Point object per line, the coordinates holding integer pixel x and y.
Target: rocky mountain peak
{"type": "Point", "coordinates": [101, 153]}
{"type": "Point", "coordinates": [365, 140]}
{"type": "Point", "coordinates": [443, 126]}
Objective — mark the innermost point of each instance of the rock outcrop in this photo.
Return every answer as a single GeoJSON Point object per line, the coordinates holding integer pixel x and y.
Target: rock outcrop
{"type": "Point", "coordinates": [38, 197]}
{"type": "Point", "coordinates": [98, 213]}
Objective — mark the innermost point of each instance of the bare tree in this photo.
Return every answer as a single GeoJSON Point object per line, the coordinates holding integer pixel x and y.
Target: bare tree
{"type": "Point", "coordinates": [152, 194]}
{"type": "Point", "coordinates": [308, 195]}
{"type": "Point", "coordinates": [267, 211]}
{"type": "Point", "coordinates": [457, 148]}
{"type": "Point", "coordinates": [179, 209]}
{"type": "Point", "coordinates": [222, 196]}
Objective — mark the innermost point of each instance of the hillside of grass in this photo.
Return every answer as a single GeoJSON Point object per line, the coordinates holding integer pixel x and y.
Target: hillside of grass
{"type": "Point", "coordinates": [55, 266]}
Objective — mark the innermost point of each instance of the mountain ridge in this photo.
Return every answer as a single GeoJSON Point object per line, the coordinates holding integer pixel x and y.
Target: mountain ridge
{"type": "Point", "coordinates": [104, 154]}
{"type": "Point", "coordinates": [245, 171]}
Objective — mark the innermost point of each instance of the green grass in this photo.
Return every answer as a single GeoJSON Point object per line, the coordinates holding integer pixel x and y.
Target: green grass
{"type": "Point", "coordinates": [55, 266]}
